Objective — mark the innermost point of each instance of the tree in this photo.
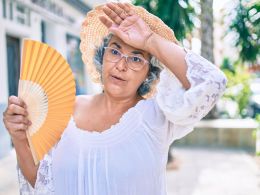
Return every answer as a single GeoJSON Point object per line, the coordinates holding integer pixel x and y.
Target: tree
{"type": "Point", "coordinates": [178, 15]}
{"type": "Point", "coordinates": [207, 40]}
{"type": "Point", "coordinates": [246, 26]}
{"type": "Point", "coordinates": [238, 86]}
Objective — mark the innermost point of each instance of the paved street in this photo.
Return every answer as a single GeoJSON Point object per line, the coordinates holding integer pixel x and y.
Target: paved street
{"type": "Point", "coordinates": [214, 172]}
{"type": "Point", "coordinates": [201, 172]}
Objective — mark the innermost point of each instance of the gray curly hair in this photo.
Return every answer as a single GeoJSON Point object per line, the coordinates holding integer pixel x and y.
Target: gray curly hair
{"type": "Point", "coordinates": [154, 67]}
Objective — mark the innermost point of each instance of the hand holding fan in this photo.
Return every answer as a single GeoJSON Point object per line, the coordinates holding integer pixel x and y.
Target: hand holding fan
{"type": "Point", "coordinates": [47, 86]}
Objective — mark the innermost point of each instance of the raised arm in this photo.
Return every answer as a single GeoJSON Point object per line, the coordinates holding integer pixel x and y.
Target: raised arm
{"type": "Point", "coordinates": [171, 55]}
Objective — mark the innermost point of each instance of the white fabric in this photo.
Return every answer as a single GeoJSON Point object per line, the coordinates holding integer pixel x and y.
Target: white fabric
{"type": "Point", "coordinates": [130, 157]}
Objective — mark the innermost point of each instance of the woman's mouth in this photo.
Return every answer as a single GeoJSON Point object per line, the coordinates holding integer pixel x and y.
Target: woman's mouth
{"type": "Point", "coordinates": [117, 80]}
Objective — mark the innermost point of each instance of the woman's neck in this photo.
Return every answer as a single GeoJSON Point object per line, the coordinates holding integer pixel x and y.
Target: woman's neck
{"type": "Point", "coordinates": [117, 105]}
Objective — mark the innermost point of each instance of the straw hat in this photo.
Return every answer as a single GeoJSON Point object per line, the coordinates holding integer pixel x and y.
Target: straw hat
{"type": "Point", "coordinates": [93, 31]}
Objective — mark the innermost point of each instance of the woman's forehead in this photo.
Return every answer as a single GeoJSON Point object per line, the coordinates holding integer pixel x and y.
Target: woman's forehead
{"type": "Point", "coordinates": [118, 42]}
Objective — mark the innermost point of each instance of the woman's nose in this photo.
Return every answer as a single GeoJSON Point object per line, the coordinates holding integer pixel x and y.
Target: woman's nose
{"type": "Point", "coordinates": [121, 65]}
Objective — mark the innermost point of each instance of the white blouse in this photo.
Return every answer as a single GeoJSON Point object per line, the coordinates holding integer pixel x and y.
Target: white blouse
{"type": "Point", "coordinates": [130, 157]}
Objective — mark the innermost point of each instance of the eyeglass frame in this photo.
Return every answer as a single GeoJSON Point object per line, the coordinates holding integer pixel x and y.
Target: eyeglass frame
{"type": "Point", "coordinates": [126, 57]}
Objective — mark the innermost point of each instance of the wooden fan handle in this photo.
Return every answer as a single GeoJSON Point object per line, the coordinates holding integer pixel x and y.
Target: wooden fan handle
{"type": "Point", "coordinates": [36, 161]}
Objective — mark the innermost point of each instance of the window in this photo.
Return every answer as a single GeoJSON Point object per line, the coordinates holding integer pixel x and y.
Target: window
{"type": "Point", "coordinates": [43, 31]}
{"type": "Point", "coordinates": [75, 62]}
{"type": "Point", "coordinates": [16, 12]}
{"type": "Point", "coordinates": [4, 8]}
{"type": "Point", "coordinates": [11, 10]}
{"type": "Point", "coordinates": [22, 15]}
{"type": "Point", "coordinates": [13, 62]}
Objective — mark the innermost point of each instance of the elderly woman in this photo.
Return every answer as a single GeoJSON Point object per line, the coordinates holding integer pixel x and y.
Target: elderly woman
{"type": "Point", "coordinates": [117, 142]}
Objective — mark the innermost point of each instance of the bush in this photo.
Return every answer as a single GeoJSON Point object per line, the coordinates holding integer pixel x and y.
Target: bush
{"type": "Point", "coordinates": [238, 86]}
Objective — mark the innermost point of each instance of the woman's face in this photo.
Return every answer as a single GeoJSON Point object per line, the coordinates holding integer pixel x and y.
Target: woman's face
{"type": "Point", "coordinates": [118, 79]}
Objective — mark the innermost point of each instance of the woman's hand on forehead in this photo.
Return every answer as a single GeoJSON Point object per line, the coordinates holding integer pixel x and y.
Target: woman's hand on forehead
{"type": "Point", "coordinates": [122, 21]}
{"type": "Point", "coordinates": [118, 12]}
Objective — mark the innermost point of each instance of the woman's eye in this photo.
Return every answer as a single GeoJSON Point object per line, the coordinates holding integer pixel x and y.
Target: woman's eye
{"type": "Point", "coordinates": [136, 59]}
{"type": "Point", "coordinates": [114, 51]}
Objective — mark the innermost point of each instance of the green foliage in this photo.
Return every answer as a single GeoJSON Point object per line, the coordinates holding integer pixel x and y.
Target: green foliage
{"type": "Point", "coordinates": [238, 84]}
{"type": "Point", "coordinates": [257, 118]}
{"type": "Point", "coordinates": [178, 15]}
{"type": "Point", "coordinates": [254, 134]}
{"type": "Point", "coordinates": [246, 25]}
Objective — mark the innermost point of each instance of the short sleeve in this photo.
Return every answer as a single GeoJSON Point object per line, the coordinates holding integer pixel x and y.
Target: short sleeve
{"type": "Point", "coordinates": [44, 180]}
{"type": "Point", "coordinates": [183, 108]}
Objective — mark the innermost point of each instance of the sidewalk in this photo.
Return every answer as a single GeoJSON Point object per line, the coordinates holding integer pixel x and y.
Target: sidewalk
{"type": "Point", "coordinates": [214, 172]}
{"type": "Point", "coordinates": [201, 172]}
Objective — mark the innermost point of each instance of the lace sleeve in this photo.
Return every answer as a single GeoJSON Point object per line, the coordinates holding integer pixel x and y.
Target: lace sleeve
{"type": "Point", "coordinates": [44, 180]}
{"type": "Point", "coordinates": [183, 108]}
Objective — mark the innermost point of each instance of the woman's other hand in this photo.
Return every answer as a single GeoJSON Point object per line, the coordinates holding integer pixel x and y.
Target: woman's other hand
{"type": "Point", "coordinates": [122, 21]}
{"type": "Point", "coordinates": [15, 119]}
{"type": "Point", "coordinates": [16, 122]}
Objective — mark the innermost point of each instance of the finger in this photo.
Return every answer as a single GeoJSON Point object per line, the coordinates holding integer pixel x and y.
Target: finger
{"type": "Point", "coordinates": [125, 6]}
{"type": "Point", "coordinates": [13, 127]}
{"type": "Point", "coordinates": [121, 5]}
{"type": "Point", "coordinates": [15, 109]}
{"type": "Point", "coordinates": [117, 8]}
{"type": "Point", "coordinates": [105, 21]}
{"type": "Point", "coordinates": [128, 9]}
{"type": "Point", "coordinates": [16, 100]}
{"type": "Point", "coordinates": [18, 119]}
{"type": "Point", "coordinates": [20, 127]}
{"type": "Point", "coordinates": [112, 15]}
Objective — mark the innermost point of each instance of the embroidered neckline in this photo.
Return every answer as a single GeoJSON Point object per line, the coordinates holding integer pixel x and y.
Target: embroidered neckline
{"type": "Point", "coordinates": [122, 128]}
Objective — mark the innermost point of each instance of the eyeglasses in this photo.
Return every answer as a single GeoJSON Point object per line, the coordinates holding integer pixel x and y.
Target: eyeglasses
{"type": "Point", "coordinates": [135, 63]}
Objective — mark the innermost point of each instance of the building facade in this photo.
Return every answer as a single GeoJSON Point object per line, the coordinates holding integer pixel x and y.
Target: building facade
{"type": "Point", "coordinates": [56, 23]}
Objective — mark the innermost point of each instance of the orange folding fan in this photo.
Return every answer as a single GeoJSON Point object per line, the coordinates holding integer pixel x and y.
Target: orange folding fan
{"type": "Point", "coordinates": [47, 86]}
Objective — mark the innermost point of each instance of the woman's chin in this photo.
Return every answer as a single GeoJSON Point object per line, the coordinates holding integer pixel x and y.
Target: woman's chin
{"type": "Point", "coordinates": [115, 85]}
{"type": "Point", "coordinates": [115, 90]}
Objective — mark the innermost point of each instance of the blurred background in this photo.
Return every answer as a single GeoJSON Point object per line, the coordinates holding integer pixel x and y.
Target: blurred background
{"type": "Point", "coordinates": [221, 156]}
